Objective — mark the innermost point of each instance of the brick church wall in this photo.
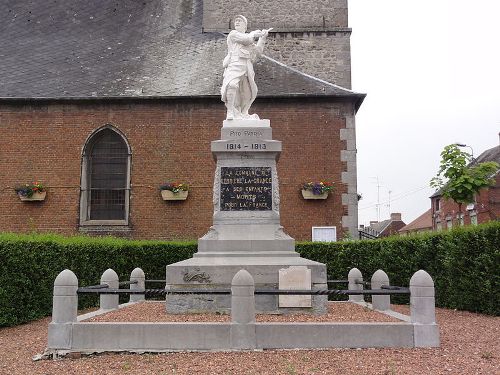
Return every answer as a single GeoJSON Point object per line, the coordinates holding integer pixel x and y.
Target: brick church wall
{"type": "Point", "coordinates": [170, 140]}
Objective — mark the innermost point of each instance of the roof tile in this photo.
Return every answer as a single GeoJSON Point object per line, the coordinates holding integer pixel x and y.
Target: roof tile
{"type": "Point", "coordinates": [126, 48]}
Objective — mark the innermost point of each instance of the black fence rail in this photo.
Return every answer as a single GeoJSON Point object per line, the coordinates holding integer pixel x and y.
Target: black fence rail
{"type": "Point", "coordinates": [369, 234]}
{"type": "Point", "coordinates": [104, 289]}
{"type": "Point", "coordinates": [385, 290]}
{"type": "Point", "coordinates": [127, 282]}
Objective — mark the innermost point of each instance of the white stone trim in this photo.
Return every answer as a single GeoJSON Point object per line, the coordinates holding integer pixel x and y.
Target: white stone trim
{"type": "Point", "coordinates": [349, 177]}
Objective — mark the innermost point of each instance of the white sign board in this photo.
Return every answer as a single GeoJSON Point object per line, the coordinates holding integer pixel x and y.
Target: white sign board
{"type": "Point", "coordinates": [324, 234]}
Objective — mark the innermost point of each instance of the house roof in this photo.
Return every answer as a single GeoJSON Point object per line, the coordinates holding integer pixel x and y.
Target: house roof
{"type": "Point", "coordinates": [424, 221]}
{"type": "Point", "coordinates": [492, 154]}
{"type": "Point", "coordinates": [381, 225]}
{"type": "Point", "coordinates": [378, 228]}
{"type": "Point", "coordinates": [57, 49]}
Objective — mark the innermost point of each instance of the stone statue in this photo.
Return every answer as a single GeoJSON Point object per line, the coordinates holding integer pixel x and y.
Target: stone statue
{"type": "Point", "coordinates": [238, 87]}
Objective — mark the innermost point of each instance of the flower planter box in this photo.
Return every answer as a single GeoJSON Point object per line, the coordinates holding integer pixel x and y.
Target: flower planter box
{"type": "Point", "coordinates": [36, 197]}
{"type": "Point", "coordinates": [308, 194]}
{"type": "Point", "coordinates": [167, 195]}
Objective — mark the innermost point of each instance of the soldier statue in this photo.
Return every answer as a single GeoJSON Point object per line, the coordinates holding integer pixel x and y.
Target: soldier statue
{"type": "Point", "coordinates": [238, 87]}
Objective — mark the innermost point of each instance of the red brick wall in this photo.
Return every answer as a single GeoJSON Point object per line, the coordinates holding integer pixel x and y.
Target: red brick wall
{"type": "Point", "coordinates": [169, 140]}
{"type": "Point", "coordinates": [487, 207]}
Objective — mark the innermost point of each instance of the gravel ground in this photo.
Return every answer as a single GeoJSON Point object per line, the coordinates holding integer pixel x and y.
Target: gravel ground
{"type": "Point", "coordinates": [155, 312]}
{"type": "Point", "coordinates": [470, 344]}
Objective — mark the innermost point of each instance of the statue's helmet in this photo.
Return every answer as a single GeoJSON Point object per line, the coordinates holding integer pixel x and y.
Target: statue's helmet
{"type": "Point", "coordinates": [243, 18]}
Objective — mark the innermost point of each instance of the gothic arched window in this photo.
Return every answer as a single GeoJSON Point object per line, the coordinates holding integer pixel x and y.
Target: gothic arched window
{"type": "Point", "coordinates": [105, 179]}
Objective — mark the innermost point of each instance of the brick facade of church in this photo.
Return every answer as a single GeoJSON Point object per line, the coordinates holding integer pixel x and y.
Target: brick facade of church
{"type": "Point", "coordinates": [170, 140]}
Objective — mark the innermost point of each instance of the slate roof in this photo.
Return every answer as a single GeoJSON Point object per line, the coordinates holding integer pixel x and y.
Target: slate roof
{"type": "Point", "coordinates": [380, 226]}
{"type": "Point", "coordinates": [492, 154]}
{"type": "Point", "coordinates": [126, 48]}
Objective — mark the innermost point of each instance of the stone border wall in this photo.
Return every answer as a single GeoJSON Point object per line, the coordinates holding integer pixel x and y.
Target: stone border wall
{"type": "Point", "coordinates": [69, 333]}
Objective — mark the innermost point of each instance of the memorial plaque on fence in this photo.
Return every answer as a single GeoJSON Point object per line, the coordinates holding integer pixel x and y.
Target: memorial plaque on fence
{"type": "Point", "coordinates": [246, 189]}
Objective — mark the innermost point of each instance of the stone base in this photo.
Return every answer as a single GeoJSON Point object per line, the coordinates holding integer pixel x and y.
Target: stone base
{"type": "Point", "coordinates": [216, 272]}
{"type": "Point", "coordinates": [246, 231]}
{"type": "Point", "coordinates": [246, 239]}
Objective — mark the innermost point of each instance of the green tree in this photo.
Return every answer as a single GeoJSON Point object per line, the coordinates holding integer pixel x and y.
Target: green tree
{"type": "Point", "coordinates": [460, 178]}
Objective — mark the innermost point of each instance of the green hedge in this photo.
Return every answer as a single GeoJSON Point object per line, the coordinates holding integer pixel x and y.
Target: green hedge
{"type": "Point", "coordinates": [30, 263]}
{"type": "Point", "coordinates": [464, 263]}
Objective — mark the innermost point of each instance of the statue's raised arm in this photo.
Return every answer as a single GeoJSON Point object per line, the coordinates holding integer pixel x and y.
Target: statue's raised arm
{"type": "Point", "coordinates": [238, 87]}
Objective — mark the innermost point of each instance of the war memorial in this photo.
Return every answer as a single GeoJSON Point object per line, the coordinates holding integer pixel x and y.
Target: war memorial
{"type": "Point", "coordinates": [245, 264]}
{"type": "Point", "coordinates": [246, 231]}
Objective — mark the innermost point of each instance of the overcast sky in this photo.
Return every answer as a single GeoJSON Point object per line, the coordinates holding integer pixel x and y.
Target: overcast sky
{"type": "Point", "coordinates": [431, 69]}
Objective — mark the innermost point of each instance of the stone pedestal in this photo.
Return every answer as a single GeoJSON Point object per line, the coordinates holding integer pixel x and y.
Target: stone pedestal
{"type": "Point", "coordinates": [246, 231]}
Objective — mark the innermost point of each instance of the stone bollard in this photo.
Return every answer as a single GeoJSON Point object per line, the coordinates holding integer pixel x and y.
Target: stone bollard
{"type": "Point", "coordinates": [380, 302]}
{"type": "Point", "coordinates": [422, 310]}
{"type": "Point", "coordinates": [64, 310]}
{"type": "Point", "coordinates": [242, 334]}
{"type": "Point", "coordinates": [109, 301]}
{"type": "Point", "coordinates": [137, 275]}
{"type": "Point", "coordinates": [353, 277]}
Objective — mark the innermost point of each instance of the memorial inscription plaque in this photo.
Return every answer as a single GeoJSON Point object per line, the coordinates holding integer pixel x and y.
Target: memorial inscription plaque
{"type": "Point", "coordinates": [246, 189]}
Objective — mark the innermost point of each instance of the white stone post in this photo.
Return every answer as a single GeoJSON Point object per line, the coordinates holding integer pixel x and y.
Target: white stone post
{"type": "Point", "coordinates": [380, 302]}
{"type": "Point", "coordinates": [355, 283]}
{"type": "Point", "coordinates": [242, 311]}
{"type": "Point", "coordinates": [137, 275]}
{"type": "Point", "coordinates": [64, 310]}
{"type": "Point", "coordinates": [422, 310]}
{"type": "Point", "coordinates": [109, 301]}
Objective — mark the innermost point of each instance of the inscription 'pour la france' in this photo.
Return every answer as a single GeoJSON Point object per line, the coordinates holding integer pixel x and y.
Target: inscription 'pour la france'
{"type": "Point", "coordinates": [246, 189]}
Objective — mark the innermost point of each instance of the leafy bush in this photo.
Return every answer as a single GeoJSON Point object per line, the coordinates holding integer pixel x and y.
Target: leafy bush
{"type": "Point", "coordinates": [29, 265]}
{"type": "Point", "coordinates": [464, 264]}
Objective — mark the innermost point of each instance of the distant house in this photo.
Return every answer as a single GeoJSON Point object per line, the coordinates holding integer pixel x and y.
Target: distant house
{"type": "Point", "coordinates": [384, 228]}
{"type": "Point", "coordinates": [446, 213]}
{"type": "Point", "coordinates": [423, 223]}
